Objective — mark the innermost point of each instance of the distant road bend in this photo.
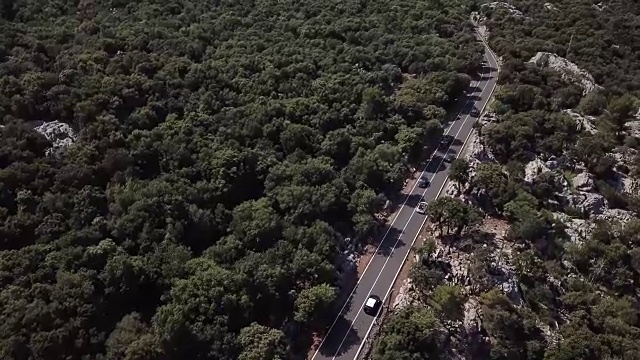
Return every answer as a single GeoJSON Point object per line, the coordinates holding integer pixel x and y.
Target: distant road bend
{"type": "Point", "coordinates": [348, 332]}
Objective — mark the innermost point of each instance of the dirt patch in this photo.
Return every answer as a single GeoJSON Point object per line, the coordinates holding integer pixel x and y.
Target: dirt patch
{"type": "Point", "coordinates": [495, 226]}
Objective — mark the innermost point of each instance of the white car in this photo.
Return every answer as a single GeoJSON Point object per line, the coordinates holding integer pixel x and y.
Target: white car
{"type": "Point", "coordinates": [372, 305]}
{"type": "Point", "coordinates": [422, 208]}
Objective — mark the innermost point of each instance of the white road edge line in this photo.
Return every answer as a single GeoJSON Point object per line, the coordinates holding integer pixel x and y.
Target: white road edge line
{"type": "Point", "coordinates": [387, 233]}
{"type": "Point", "coordinates": [396, 243]}
{"type": "Point", "coordinates": [395, 278]}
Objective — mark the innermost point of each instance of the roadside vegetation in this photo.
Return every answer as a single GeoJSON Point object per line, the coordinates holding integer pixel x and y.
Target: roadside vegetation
{"type": "Point", "coordinates": [559, 279]}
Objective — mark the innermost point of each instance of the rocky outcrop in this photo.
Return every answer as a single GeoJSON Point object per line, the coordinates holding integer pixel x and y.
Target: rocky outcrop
{"type": "Point", "coordinates": [615, 216]}
{"type": "Point", "coordinates": [599, 6]}
{"type": "Point", "coordinates": [472, 322]}
{"type": "Point", "coordinates": [583, 182]}
{"type": "Point", "coordinates": [569, 71]}
{"type": "Point", "coordinates": [534, 168]}
{"type": "Point", "coordinates": [60, 134]}
{"type": "Point", "coordinates": [578, 230]}
{"type": "Point", "coordinates": [550, 6]}
{"type": "Point", "coordinates": [503, 5]}
{"type": "Point", "coordinates": [586, 203]}
{"type": "Point", "coordinates": [405, 295]}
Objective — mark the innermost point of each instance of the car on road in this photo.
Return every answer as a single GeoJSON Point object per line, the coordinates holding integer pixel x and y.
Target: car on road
{"type": "Point", "coordinates": [422, 208]}
{"type": "Point", "coordinates": [446, 141]}
{"type": "Point", "coordinates": [475, 113]}
{"type": "Point", "coordinates": [423, 183]}
{"type": "Point", "coordinates": [372, 305]}
{"type": "Point", "coordinates": [450, 157]}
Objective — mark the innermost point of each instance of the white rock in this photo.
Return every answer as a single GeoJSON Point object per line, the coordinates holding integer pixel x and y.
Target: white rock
{"type": "Point", "coordinates": [615, 215]}
{"type": "Point", "coordinates": [568, 70]}
{"type": "Point", "coordinates": [60, 134]}
{"type": "Point", "coordinates": [511, 288]}
{"type": "Point", "coordinates": [634, 127]}
{"type": "Point", "coordinates": [583, 182]}
{"type": "Point", "coordinates": [550, 6]}
{"type": "Point", "coordinates": [578, 230]}
{"type": "Point", "coordinates": [503, 5]}
{"type": "Point", "coordinates": [404, 297]}
{"type": "Point", "coordinates": [533, 169]}
{"type": "Point", "coordinates": [599, 6]}
{"type": "Point", "coordinates": [472, 320]}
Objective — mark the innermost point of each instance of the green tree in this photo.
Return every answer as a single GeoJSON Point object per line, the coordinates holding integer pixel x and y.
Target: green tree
{"type": "Point", "coordinates": [452, 215]}
{"type": "Point", "coordinates": [449, 300]}
{"type": "Point", "coordinates": [412, 333]}
{"type": "Point", "coordinates": [313, 304]}
{"type": "Point", "coordinates": [262, 343]}
{"type": "Point", "coordinates": [593, 103]}
{"type": "Point", "coordinates": [621, 111]}
{"type": "Point", "coordinates": [491, 179]}
{"type": "Point", "coordinates": [459, 172]}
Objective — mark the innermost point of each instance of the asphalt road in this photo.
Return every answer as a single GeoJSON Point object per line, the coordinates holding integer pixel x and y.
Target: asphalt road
{"type": "Point", "coordinates": [347, 334]}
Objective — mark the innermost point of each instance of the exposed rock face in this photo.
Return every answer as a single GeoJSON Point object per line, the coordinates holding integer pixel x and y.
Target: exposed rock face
{"type": "Point", "coordinates": [583, 182]}
{"type": "Point", "coordinates": [634, 128]}
{"type": "Point", "coordinates": [578, 230]}
{"type": "Point", "coordinates": [599, 6]}
{"type": "Point", "coordinates": [504, 5]}
{"type": "Point", "coordinates": [592, 204]}
{"type": "Point", "coordinates": [60, 134]}
{"type": "Point", "coordinates": [533, 169]}
{"type": "Point", "coordinates": [550, 6]}
{"type": "Point", "coordinates": [615, 215]}
{"type": "Point", "coordinates": [568, 70]}
{"type": "Point", "coordinates": [405, 296]}
{"type": "Point", "coordinates": [472, 320]}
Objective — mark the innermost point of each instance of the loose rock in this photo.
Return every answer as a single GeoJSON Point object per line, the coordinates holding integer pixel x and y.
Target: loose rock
{"type": "Point", "coordinates": [583, 182]}
{"type": "Point", "coordinates": [533, 169]}
{"type": "Point", "coordinates": [60, 134]}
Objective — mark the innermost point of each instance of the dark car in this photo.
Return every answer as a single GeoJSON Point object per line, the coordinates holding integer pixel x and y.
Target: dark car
{"type": "Point", "coordinates": [446, 141]}
{"type": "Point", "coordinates": [475, 113]}
{"type": "Point", "coordinates": [450, 157]}
{"type": "Point", "coordinates": [423, 183]}
{"type": "Point", "coordinates": [372, 305]}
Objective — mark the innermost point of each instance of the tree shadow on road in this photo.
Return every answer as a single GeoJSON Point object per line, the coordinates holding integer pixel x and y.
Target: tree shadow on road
{"type": "Point", "coordinates": [337, 343]}
{"type": "Point", "coordinates": [391, 242]}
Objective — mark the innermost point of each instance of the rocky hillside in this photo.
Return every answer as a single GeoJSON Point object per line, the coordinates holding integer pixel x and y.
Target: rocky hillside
{"type": "Point", "coordinates": [550, 270]}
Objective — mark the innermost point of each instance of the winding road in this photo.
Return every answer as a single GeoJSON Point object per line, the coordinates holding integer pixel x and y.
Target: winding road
{"type": "Point", "coordinates": [351, 327]}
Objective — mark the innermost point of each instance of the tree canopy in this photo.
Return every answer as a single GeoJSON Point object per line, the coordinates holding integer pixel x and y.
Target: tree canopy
{"type": "Point", "coordinates": [224, 151]}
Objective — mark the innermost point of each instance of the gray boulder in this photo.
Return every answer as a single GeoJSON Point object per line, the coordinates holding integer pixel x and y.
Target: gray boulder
{"type": "Point", "coordinates": [583, 182]}
{"type": "Point", "coordinates": [590, 203]}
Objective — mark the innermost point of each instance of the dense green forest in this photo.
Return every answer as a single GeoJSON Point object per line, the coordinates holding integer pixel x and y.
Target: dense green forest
{"type": "Point", "coordinates": [225, 151]}
{"type": "Point", "coordinates": [575, 298]}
